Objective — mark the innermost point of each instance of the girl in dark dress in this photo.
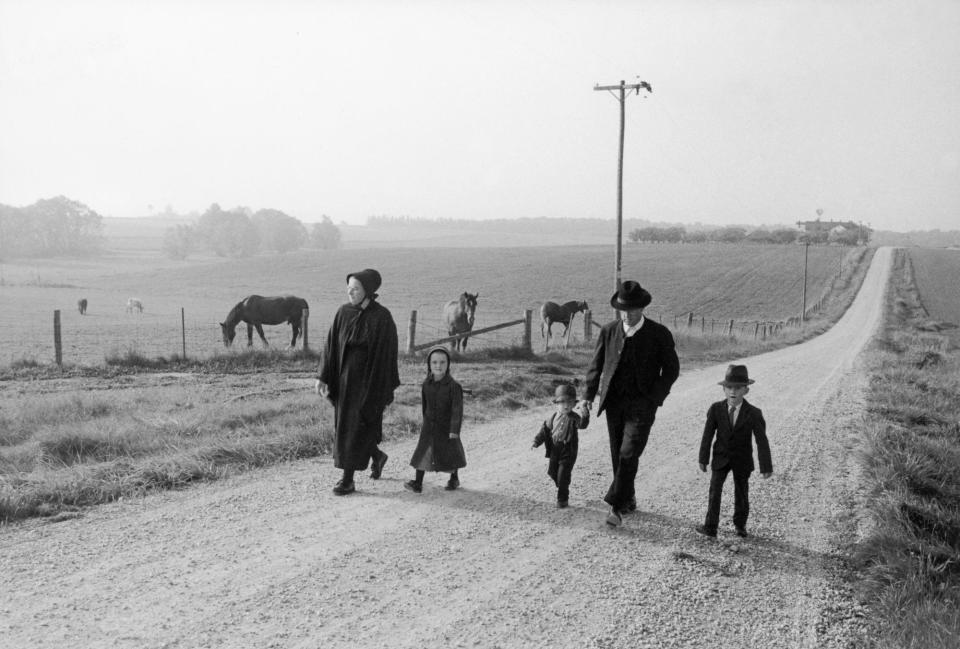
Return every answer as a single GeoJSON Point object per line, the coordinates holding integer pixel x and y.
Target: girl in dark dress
{"type": "Point", "coordinates": [439, 448]}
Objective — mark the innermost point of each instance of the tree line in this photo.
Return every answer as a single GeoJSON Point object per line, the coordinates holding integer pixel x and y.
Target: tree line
{"type": "Point", "coordinates": [48, 228]}
{"type": "Point", "coordinates": [241, 232]}
{"type": "Point", "coordinates": [849, 235]}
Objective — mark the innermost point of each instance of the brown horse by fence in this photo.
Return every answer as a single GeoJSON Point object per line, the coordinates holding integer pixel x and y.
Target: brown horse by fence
{"type": "Point", "coordinates": [82, 306]}
{"type": "Point", "coordinates": [256, 311]}
{"type": "Point", "coordinates": [459, 315]}
{"type": "Point", "coordinates": [552, 312]}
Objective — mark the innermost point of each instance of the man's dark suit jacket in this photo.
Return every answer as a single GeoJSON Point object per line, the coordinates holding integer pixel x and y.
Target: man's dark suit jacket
{"type": "Point", "coordinates": [734, 447]}
{"type": "Point", "coordinates": [659, 365]}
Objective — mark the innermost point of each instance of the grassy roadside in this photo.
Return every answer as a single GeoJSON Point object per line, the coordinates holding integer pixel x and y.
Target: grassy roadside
{"type": "Point", "coordinates": [910, 553]}
{"type": "Point", "coordinates": [88, 435]}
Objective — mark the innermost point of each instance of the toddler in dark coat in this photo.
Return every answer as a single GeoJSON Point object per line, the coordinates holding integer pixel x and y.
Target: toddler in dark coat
{"type": "Point", "coordinates": [736, 424]}
{"type": "Point", "coordinates": [559, 435]}
{"type": "Point", "coordinates": [439, 447]}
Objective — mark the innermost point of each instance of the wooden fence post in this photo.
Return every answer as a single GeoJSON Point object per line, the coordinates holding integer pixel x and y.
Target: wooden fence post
{"type": "Point", "coordinates": [730, 330]}
{"type": "Point", "coordinates": [57, 343]}
{"type": "Point", "coordinates": [690, 320]}
{"type": "Point", "coordinates": [412, 332]}
{"type": "Point", "coordinates": [587, 325]}
{"type": "Point", "coordinates": [756, 331]}
{"type": "Point", "coordinates": [703, 324]}
{"type": "Point", "coordinates": [183, 333]}
{"type": "Point", "coordinates": [304, 318]}
{"type": "Point", "coordinates": [527, 329]}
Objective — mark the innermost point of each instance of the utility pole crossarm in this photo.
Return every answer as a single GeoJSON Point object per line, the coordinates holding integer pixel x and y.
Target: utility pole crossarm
{"type": "Point", "coordinates": [631, 86]}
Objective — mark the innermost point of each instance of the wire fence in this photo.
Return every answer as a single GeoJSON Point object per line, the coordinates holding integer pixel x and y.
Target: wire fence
{"type": "Point", "coordinates": [91, 340]}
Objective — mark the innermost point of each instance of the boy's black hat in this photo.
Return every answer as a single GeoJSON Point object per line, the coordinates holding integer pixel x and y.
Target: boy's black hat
{"type": "Point", "coordinates": [564, 392]}
{"type": "Point", "coordinates": [630, 296]}
{"type": "Point", "coordinates": [736, 375]}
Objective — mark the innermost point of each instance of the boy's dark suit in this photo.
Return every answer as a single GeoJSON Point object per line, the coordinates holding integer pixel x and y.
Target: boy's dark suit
{"type": "Point", "coordinates": [733, 451]}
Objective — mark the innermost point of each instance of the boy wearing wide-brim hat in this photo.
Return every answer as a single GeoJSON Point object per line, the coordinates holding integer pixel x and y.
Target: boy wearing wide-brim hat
{"type": "Point", "coordinates": [735, 424]}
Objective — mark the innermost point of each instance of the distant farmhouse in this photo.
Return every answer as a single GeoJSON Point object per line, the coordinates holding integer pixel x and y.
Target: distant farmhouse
{"type": "Point", "coordinates": [846, 232]}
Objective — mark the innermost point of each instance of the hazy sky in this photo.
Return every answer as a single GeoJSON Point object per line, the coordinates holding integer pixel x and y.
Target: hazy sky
{"type": "Point", "coordinates": [761, 112]}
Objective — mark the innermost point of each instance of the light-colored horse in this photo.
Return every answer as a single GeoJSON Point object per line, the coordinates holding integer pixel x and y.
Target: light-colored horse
{"type": "Point", "coordinates": [552, 312]}
{"type": "Point", "coordinates": [134, 304]}
{"type": "Point", "coordinates": [459, 315]}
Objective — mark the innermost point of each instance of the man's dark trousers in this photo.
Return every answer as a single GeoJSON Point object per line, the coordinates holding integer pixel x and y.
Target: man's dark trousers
{"type": "Point", "coordinates": [741, 497]}
{"type": "Point", "coordinates": [628, 424]}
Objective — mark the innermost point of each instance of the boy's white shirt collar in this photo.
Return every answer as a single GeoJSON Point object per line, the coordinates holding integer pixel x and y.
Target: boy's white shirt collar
{"type": "Point", "coordinates": [629, 331]}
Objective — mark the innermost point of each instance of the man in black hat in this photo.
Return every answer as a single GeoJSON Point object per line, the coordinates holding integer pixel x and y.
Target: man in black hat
{"type": "Point", "coordinates": [634, 365]}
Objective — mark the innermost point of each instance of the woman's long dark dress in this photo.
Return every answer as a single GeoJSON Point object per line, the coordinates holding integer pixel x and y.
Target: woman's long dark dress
{"type": "Point", "coordinates": [360, 371]}
{"type": "Point", "coordinates": [442, 405]}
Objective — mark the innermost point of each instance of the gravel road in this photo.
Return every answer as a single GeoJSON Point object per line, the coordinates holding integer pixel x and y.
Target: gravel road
{"type": "Point", "coordinates": [274, 559]}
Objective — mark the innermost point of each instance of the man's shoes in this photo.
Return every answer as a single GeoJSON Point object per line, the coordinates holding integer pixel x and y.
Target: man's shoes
{"type": "Point", "coordinates": [742, 532]}
{"type": "Point", "coordinates": [452, 484]}
{"type": "Point", "coordinates": [413, 485]}
{"type": "Point", "coordinates": [562, 504]}
{"type": "Point", "coordinates": [702, 529]}
{"type": "Point", "coordinates": [376, 470]}
{"type": "Point", "coordinates": [343, 488]}
{"type": "Point", "coordinates": [630, 507]}
{"type": "Point", "coordinates": [613, 518]}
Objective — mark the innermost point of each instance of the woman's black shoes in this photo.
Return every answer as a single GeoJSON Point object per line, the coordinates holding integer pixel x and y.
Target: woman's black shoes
{"type": "Point", "coordinates": [413, 485]}
{"type": "Point", "coordinates": [452, 484]}
{"type": "Point", "coordinates": [376, 470]}
{"type": "Point", "coordinates": [343, 488]}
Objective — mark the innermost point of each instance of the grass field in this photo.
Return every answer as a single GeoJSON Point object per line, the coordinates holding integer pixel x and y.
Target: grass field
{"type": "Point", "coordinates": [937, 275]}
{"type": "Point", "coordinates": [721, 282]}
{"type": "Point", "coordinates": [910, 554]}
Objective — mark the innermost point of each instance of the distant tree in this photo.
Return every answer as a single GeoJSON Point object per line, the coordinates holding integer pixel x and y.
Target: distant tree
{"type": "Point", "coordinates": [325, 234]}
{"type": "Point", "coordinates": [279, 231]}
{"type": "Point", "coordinates": [674, 234]}
{"type": "Point", "coordinates": [178, 241]}
{"type": "Point", "coordinates": [52, 226]}
{"type": "Point", "coordinates": [813, 237]}
{"type": "Point", "coordinates": [760, 235]}
{"type": "Point", "coordinates": [784, 235]}
{"type": "Point", "coordinates": [732, 234]}
{"type": "Point", "coordinates": [844, 237]}
{"type": "Point", "coordinates": [697, 236]}
{"type": "Point", "coordinates": [228, 234]}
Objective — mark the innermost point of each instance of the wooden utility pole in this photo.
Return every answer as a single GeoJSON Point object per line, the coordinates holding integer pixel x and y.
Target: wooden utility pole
{"type": "Point", "coordinates": [622, 98]}
{"type": "Point", "coordinates": [803, 307]}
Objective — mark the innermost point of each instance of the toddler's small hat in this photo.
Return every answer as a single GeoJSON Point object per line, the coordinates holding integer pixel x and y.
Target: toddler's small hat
{"type": "Point", "coordinates": [736, 375]}
{"type": "Point", "coordinates": [565, 392]}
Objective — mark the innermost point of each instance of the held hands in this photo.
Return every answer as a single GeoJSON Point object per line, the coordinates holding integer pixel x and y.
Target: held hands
{"type": "Point", "coordinates": [321, 388]}
{"type": "Point", "coordinates": [454, 436]}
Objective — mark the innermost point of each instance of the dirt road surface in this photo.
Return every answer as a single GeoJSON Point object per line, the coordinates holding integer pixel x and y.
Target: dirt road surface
{"type": "Point", "coordinates": [274, 559]}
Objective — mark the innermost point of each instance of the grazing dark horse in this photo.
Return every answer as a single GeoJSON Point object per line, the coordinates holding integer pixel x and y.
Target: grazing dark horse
{"type": "Point", "coordinates": [134, 304]}
{"type": "Point", "coordinates": [552, 312]}
{"type": "Point", "coordinates": [82, 305]}
{"type": "Point", "coordinates": [256, 311]}
{"type": "Point", "coordinates": [458, 316]}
